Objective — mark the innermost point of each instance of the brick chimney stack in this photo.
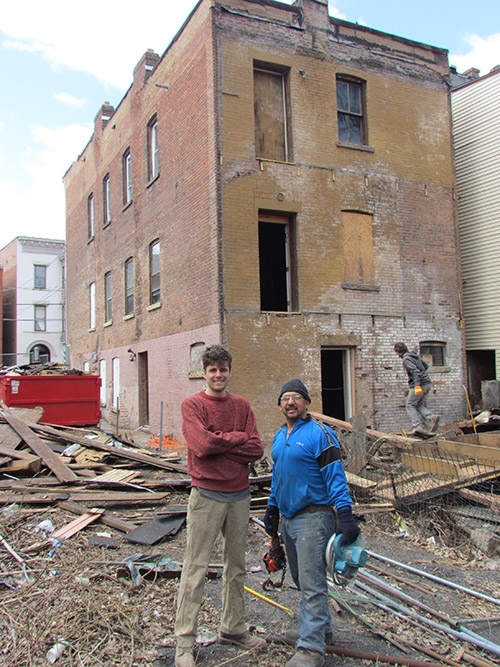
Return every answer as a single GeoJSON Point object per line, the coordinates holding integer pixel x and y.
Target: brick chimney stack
{"type": "Point", "coordinates": [104, 114]}
{"type": "Point", "coordinates": [146, 66]}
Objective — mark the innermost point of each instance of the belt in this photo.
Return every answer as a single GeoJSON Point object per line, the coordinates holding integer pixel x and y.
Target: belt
{"type": "Point", "coordinates": [315, 508]}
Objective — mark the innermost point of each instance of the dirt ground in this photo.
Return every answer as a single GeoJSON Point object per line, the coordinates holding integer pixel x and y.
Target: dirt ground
{"type": "Point", "coordinates": [84, 595]}
{"type": "Point", "coordinates": [78, 593]}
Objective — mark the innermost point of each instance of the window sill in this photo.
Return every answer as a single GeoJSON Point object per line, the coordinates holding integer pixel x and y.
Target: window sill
{"type": "Point", "coordinates": [154, 306]}
{"type": "Point", "coordinates": [91, 329]}
{"type": "Point", "coordinates": [439, 369]}
{"type": "Point", "coordinates": [268, 159]}
{"type": "Point", "coordinates": [362, 287]}
{"type": "Point", "coordinates": [357, 147]}
{"type": "Point", "coordinates": [106, 224]}
{"type": "Point", "coordinates": [130, 316]}
{"type": "Point", "coordinates": [90, 239]}
{"type": "Point", "coordinates": [153, 180]}
{"type": "Point", "coordinates": [107, 324]}
{"type": "Point", "coordinates": [127, 205]}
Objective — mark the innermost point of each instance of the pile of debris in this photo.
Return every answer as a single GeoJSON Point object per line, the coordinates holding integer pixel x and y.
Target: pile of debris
{"type": "Point", "coordinates": [63, 489]}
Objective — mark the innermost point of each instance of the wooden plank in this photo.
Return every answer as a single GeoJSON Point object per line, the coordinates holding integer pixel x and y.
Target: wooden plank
{"type": "Point", "coordinates": [77, 524]}
{"type": "Point", "coordinates": [105, 518]}
{"type": "Point", "coordinates": [485, 499]}
{"type": "Point", "coordinates": [470, 449]}
{"type": "Point", "coordinates": [153, 531]}
{"type": "Point", "coordinates": [153, 461]}
{"type": "Point", "coordinates": [51, 460]}
{"type": "Point", "coordinates": [23, 465]}
{"type": "Point", "coordinates": [21, 454]}
{"type": "Point", "coordinates": [346, 426]}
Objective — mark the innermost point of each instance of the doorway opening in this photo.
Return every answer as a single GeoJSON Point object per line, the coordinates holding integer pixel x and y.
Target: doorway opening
{"type": "Point", "coordinates": [336, 385]}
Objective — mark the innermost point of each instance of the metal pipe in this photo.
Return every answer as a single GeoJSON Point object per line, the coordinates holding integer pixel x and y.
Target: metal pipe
{"type": "Point", "coordinates": [464, 636]}
{"type": "Point", "coordinates": [406, 598]}
{"type": "Point", "coordinates": [433, 577]}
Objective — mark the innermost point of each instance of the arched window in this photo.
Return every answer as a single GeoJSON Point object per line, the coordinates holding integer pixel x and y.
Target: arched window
{"type": "Point", "coordinates": [39, 354]}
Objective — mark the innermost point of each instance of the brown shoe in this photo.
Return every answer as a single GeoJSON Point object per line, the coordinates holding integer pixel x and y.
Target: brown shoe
{"type": "Point", "coordinates": [292, 636]}
{"type": "Point", "coordinates": [245, 640]}
{"type": "Point", "coordinates": [305, 658]}
{"type": "Point", "coordinates": [184, 657]}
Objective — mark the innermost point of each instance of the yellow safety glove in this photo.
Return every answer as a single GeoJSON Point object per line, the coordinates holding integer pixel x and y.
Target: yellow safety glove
{"type": "Point", "coordinates": [418, 389]}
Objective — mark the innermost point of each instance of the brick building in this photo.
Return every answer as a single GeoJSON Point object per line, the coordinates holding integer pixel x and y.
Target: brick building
{"type": "Point", "coordinates": [280, 181]}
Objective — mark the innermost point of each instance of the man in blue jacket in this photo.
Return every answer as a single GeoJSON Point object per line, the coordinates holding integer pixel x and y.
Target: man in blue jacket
{"type": "Point", "coordinates": [308, 481]}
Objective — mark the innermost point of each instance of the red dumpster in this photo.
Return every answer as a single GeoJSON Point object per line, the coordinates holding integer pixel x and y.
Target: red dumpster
{"type": "Point", "coordinates": [68, 400]}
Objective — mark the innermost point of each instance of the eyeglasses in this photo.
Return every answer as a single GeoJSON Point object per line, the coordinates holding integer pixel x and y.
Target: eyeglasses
{"type": "Point", "coordinates": [293, 397]}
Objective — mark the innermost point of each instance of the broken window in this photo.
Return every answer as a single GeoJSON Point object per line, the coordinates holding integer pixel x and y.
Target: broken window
{"type": "Point", "coordinates": [433, 353]}
{"type": "Point", "coordinates": [350, 110]}
{"type": "Point", "coordinates": [357, 248]}
{"type": "Point", "coordinates": [276, 262]}
{"type": "Point", "coordinates": [271, 114]}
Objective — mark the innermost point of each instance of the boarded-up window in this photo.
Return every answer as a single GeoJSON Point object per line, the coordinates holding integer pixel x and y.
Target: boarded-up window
{"type": "Point", "coordinates": [357, 247]}
{"type": "Point", "coordinates": [271, 116]}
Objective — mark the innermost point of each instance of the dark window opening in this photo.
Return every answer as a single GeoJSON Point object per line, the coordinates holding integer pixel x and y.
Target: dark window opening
{"type": "Point", "coordinates": [277, 278]}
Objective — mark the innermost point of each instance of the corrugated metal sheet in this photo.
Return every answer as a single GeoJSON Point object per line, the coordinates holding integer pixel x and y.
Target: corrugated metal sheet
{"type": "Point", "coordinates": [476, 130]}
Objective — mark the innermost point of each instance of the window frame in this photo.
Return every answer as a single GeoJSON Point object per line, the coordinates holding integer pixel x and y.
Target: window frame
{"type": "Point", "coordinates": [351, 113]}
{"type": "Point", "coordinates": [40, 278]}
{"type": "Point", "coordinates": [268, 271]}
{"type": "Point", "coordinates": [431, 351]}
{"type": "Point", "coordinates": [40, 317]}
{"type": "Point", "coordinates": [91, 215]}
{"type": "Point", "coordinates": [127, 177]}
{"type": "Point", "coordinates": [154, 273]}
{"type": "Point", "coordinates": [153, 150]}
{"type": "Point", "coordinates": [92, 306]}
{"type": "Point", "coordinates": [106, 199]}
{"type": "Point", "coordinates": [129, 285]}
{"type": "Point", "coordinates": [261, 152]}
{"type": "Point", "coordinates": [108, 297]}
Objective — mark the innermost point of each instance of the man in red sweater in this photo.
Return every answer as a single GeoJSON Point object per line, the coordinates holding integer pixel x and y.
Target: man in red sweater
{"type": "Point", "coordinates": [222, 439]}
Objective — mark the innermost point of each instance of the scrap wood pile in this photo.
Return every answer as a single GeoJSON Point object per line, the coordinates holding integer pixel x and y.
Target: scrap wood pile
{"type": "Point", "coordinates": [68, 494]}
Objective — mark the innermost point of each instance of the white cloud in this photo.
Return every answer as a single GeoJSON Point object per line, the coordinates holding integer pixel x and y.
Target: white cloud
{"type": "Point", "coordinates": [333, 11]}
{"type": "Point", "coordinates": [70, 100]}
{"type": "Point", "coordinates": [35, 204]}
{"type": "Point", "coordinates": [99, 38]}
{"type": "Point", "coordinates": [484, 54]}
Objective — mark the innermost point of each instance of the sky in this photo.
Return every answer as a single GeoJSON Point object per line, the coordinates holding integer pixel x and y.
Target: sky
{"type": "Point", "coordinates": [60, 61]}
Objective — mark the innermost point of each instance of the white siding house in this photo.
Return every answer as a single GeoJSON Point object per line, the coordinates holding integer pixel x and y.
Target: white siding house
{"type": "Point", "coordinates": [476, 131]}
{"type": "Point", "coordinates": [33, 301]}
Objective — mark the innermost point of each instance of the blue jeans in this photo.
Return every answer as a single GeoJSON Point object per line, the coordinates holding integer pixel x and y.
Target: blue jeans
{"type": "Point", "coordinates": [305, 537]}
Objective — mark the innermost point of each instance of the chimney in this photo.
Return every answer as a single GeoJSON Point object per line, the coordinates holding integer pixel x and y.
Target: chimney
{"type": "Point", "coordinates": [472, 73]}
{"type": "Point", "coordinates": [495, 69]}
{"type": "Point", "coordinates": [103, 116]}
{"type": "Point", "coordinates": [146, 66]}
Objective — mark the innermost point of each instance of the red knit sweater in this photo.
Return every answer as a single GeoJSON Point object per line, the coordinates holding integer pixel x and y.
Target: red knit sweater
{"type": "Point", "coordinates": [222, 438]}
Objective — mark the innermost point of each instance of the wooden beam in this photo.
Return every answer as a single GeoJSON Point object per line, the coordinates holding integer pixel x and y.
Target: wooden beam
{"type": "Point", "coordinates": [105, 518]}
{"type": "Point", "coordinates": [154, 461]}
{"type": "Point", "coordinates": [36, 444]}
{"type": "Point", "coordinates": [346, 426]}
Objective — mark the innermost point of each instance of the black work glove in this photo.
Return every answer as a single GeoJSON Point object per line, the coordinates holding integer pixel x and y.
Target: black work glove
{"type": "Point", "coordinates": [347, 525]}
{"type": "Point", "coordinates": [271, 520]}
